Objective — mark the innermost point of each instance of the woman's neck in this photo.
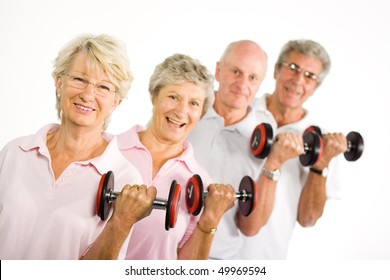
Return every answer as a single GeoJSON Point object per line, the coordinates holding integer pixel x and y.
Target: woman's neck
{"type": "Point", "coordinates": [68, 145]}
{"type": "Point", "coordinates": [161, 151]}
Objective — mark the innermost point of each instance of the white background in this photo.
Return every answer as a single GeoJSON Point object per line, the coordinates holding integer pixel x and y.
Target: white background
{"type": "Point", "coordinates": [353, 97]}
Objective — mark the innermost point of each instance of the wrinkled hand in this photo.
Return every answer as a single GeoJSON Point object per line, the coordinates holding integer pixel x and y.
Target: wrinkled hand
{"type": "Point", "coordinates": [133, 204]}
{"type": "Point", "coordinates": [219, 199]}
{"type": "Point", "coordinates": [285, 147]}
{"type": "Point", "coordinates": [333, 144]}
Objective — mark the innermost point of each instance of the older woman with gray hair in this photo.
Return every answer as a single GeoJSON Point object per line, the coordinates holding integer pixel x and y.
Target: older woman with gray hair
{"type": "Point", "coordinates": [49, 181]}
{"type": "Point", "coordinates": [181, 91]}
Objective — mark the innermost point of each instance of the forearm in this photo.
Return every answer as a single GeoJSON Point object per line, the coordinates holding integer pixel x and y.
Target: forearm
{"type": "Point", "coordinates": [252, 224]}
{"type": "Point", "coordinates": [285, 147]}
{"type": "Point", "coordinates": [312, 200]}
{"type": "Point", "coordinates": [108, 244]}
{"type": "Point", "coordinates": [197, 247]}
{"type": "Point", "coordinates": [199, 244]}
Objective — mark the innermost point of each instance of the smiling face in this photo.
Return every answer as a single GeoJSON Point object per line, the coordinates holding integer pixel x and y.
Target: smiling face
{"type": "Point", "coordinates": [176, 110]}
{"type": "Point", "coordinates": [240, 74]}
{"type": "Point", "coordinates": [83, 107]}
{"type": "Point", "coordinates": [292, 87]}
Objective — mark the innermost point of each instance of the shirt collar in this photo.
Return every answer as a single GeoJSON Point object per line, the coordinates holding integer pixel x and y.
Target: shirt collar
{"type": "Point", "coordinates": [212, 114]}
{"type": "Point", "coordinates": [260, 105]}
{"type": "Point", "coordinates": [187, 157]}
{"type": "Point", "coordinates": [102, 163]}
{"type": "Point", "coordinates": [109, 158]}
{"type": "Point", "coordinates": [38, 140]}
{"type": "Point", "coordinates": [130, 140]}
{"type": "Point", "coordinates": [244, 127]}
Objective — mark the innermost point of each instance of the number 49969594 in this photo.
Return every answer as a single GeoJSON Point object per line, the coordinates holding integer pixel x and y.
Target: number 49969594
{"type": "Point", "coordinates": [250, 270]}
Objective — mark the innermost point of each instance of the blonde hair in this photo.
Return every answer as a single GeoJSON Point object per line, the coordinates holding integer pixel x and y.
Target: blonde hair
{"type": "Point", "coordinates": [103, 53]}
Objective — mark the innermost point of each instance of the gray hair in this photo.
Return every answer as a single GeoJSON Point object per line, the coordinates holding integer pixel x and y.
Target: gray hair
{"type": "Point", "coordinates": [103, 53]}
{"type": "Point", "coordinates": [309, 48]}
{"type": "Point", "coordinates": [180, 68]}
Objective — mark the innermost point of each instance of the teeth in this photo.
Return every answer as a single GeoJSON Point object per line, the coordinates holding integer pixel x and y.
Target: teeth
{"type": "Point", "coordinates": [84, 108]}
{"type": "Point", "coordinates": [176, 122]}
{"type": "Point", "coordinates": [294, 90]}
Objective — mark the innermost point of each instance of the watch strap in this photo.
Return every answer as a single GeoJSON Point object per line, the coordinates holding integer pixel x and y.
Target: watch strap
{"type": "Point", "coordinates": [317, 171]}
{"type": "Point", "coordinates": [270, 174]}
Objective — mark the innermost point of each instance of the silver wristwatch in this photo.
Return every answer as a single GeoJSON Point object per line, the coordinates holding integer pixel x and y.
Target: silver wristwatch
{"type": "Point", "coordinates": [270, 174]}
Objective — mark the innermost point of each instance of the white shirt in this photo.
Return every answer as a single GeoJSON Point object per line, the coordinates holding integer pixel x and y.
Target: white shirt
{"type": "Point", "coordinates": [273, 239]}
{"type": "Point", "coordinates": [225, 153]}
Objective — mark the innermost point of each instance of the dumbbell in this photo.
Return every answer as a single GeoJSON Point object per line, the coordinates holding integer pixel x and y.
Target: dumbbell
{"type": "Point", "coordinates": [106, 195]}
{"type": "Point", "coordinates": [247, 198]}
{"type": "Point", "coordinates": [262, 140]}
{"type": "Point", "coordinates": [355, 143]}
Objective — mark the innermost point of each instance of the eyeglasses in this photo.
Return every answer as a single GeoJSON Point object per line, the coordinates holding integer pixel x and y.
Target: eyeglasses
{"type": "Point", "coordinates": [101, 89]}
{"type": "Point", "coordinates": [296, 69]}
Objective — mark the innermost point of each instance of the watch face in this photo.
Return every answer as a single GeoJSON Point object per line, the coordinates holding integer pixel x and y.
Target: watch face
{"type": "Point", "coordinates": [325, 172]}
{"type": "Point", "coordinates": [273, 175]}
{"type": "Point", "coordinates": [276, 175]}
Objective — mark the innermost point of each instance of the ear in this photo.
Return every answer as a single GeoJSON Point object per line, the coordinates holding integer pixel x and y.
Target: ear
{"type": "Point", "coordinates": [58, 84]}
{"type": "Point", "coordinates": [276, 71]}
{"type": "Point", "coordinates": [152, 98]}
{"type": "Point", "coordinates": [217, 70]}
{"type": "Point", "coordinates": [117, 102]}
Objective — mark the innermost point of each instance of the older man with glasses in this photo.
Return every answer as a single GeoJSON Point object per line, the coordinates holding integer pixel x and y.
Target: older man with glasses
{"type": "Point", "coordinates": [301, 67]}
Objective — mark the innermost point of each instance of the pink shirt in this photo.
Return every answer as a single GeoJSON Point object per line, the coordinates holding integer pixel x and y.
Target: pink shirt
{"type": "Point", "coordinates": [44, 218]}
{"type": "Point", "coordinates": [150, 240]}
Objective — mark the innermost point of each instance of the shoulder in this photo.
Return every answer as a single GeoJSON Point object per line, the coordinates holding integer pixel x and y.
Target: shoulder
{"type": "Point", "coordinates": [193, 165]}
{"type": "Point", "coordinates": [125, 171]}
{"type": "Point", "coordinates": [129, 138]}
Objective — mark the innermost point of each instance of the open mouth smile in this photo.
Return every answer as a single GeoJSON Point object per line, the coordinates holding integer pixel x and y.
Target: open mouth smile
{"type": "Point", "coordinates": [84, 108]}
{"type": "Point", "coordinates": [175, 122]}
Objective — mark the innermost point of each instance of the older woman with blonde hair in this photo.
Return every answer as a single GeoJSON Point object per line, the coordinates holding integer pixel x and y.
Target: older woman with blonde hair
{"type": "Point", "coordinates": [49, 181]}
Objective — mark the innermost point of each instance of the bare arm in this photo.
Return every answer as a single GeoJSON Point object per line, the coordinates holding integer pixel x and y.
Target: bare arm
{"type": "Point", "coordinates": [286, 146]}
{"type": "Point", "coordinates": [313, 196]}
{"type": "Point", "coordinates": [219, 199]}
{"type": "Point", "coordinates": [125, 215]}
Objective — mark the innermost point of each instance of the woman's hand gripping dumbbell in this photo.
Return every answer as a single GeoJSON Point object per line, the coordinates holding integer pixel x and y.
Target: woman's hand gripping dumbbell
{"type": "Point", "coordinates": [106, 196]}
{"type": "Point", "coordinates": [196, 196]}
{"type": "Point", "coordinates": [262, 142]}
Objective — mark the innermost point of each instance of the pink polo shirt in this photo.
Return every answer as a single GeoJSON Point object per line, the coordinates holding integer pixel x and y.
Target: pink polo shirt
{"type": "Point", "coordinates": [150, 240]}
{"type": "Point", "coordinates": [44, 218]}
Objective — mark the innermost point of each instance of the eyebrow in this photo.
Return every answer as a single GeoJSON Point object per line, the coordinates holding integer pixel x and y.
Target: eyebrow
{"type": "Point", "coordinates": [105, 80]}
{"type": "Point", "coordinates": [196, 99]}
{"type": "Point", "coordinates": [242, 71]}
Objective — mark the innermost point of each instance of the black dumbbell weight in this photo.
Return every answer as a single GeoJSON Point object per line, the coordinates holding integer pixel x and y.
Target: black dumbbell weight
{"type": "Point", "coordinates": [262, 140]}
{"type": "Point", "coordinates": [106, 195]}
{"type": "Point", "coordinates": [355, 143]}
{"type": "Point", "coordinates": [195, 195]}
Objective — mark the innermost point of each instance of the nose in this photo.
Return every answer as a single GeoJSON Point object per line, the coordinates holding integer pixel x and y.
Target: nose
{"type": "Point", "coordinates": [182, 109]}
{"type": "Point", "coordinates": [243, 80]}
{"type": "Point", "coordinates": [299, 77]}
{"type": "Point", "coordinates": [243, 83]}
{"type": "Point", "coordinates": [88, 93]}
